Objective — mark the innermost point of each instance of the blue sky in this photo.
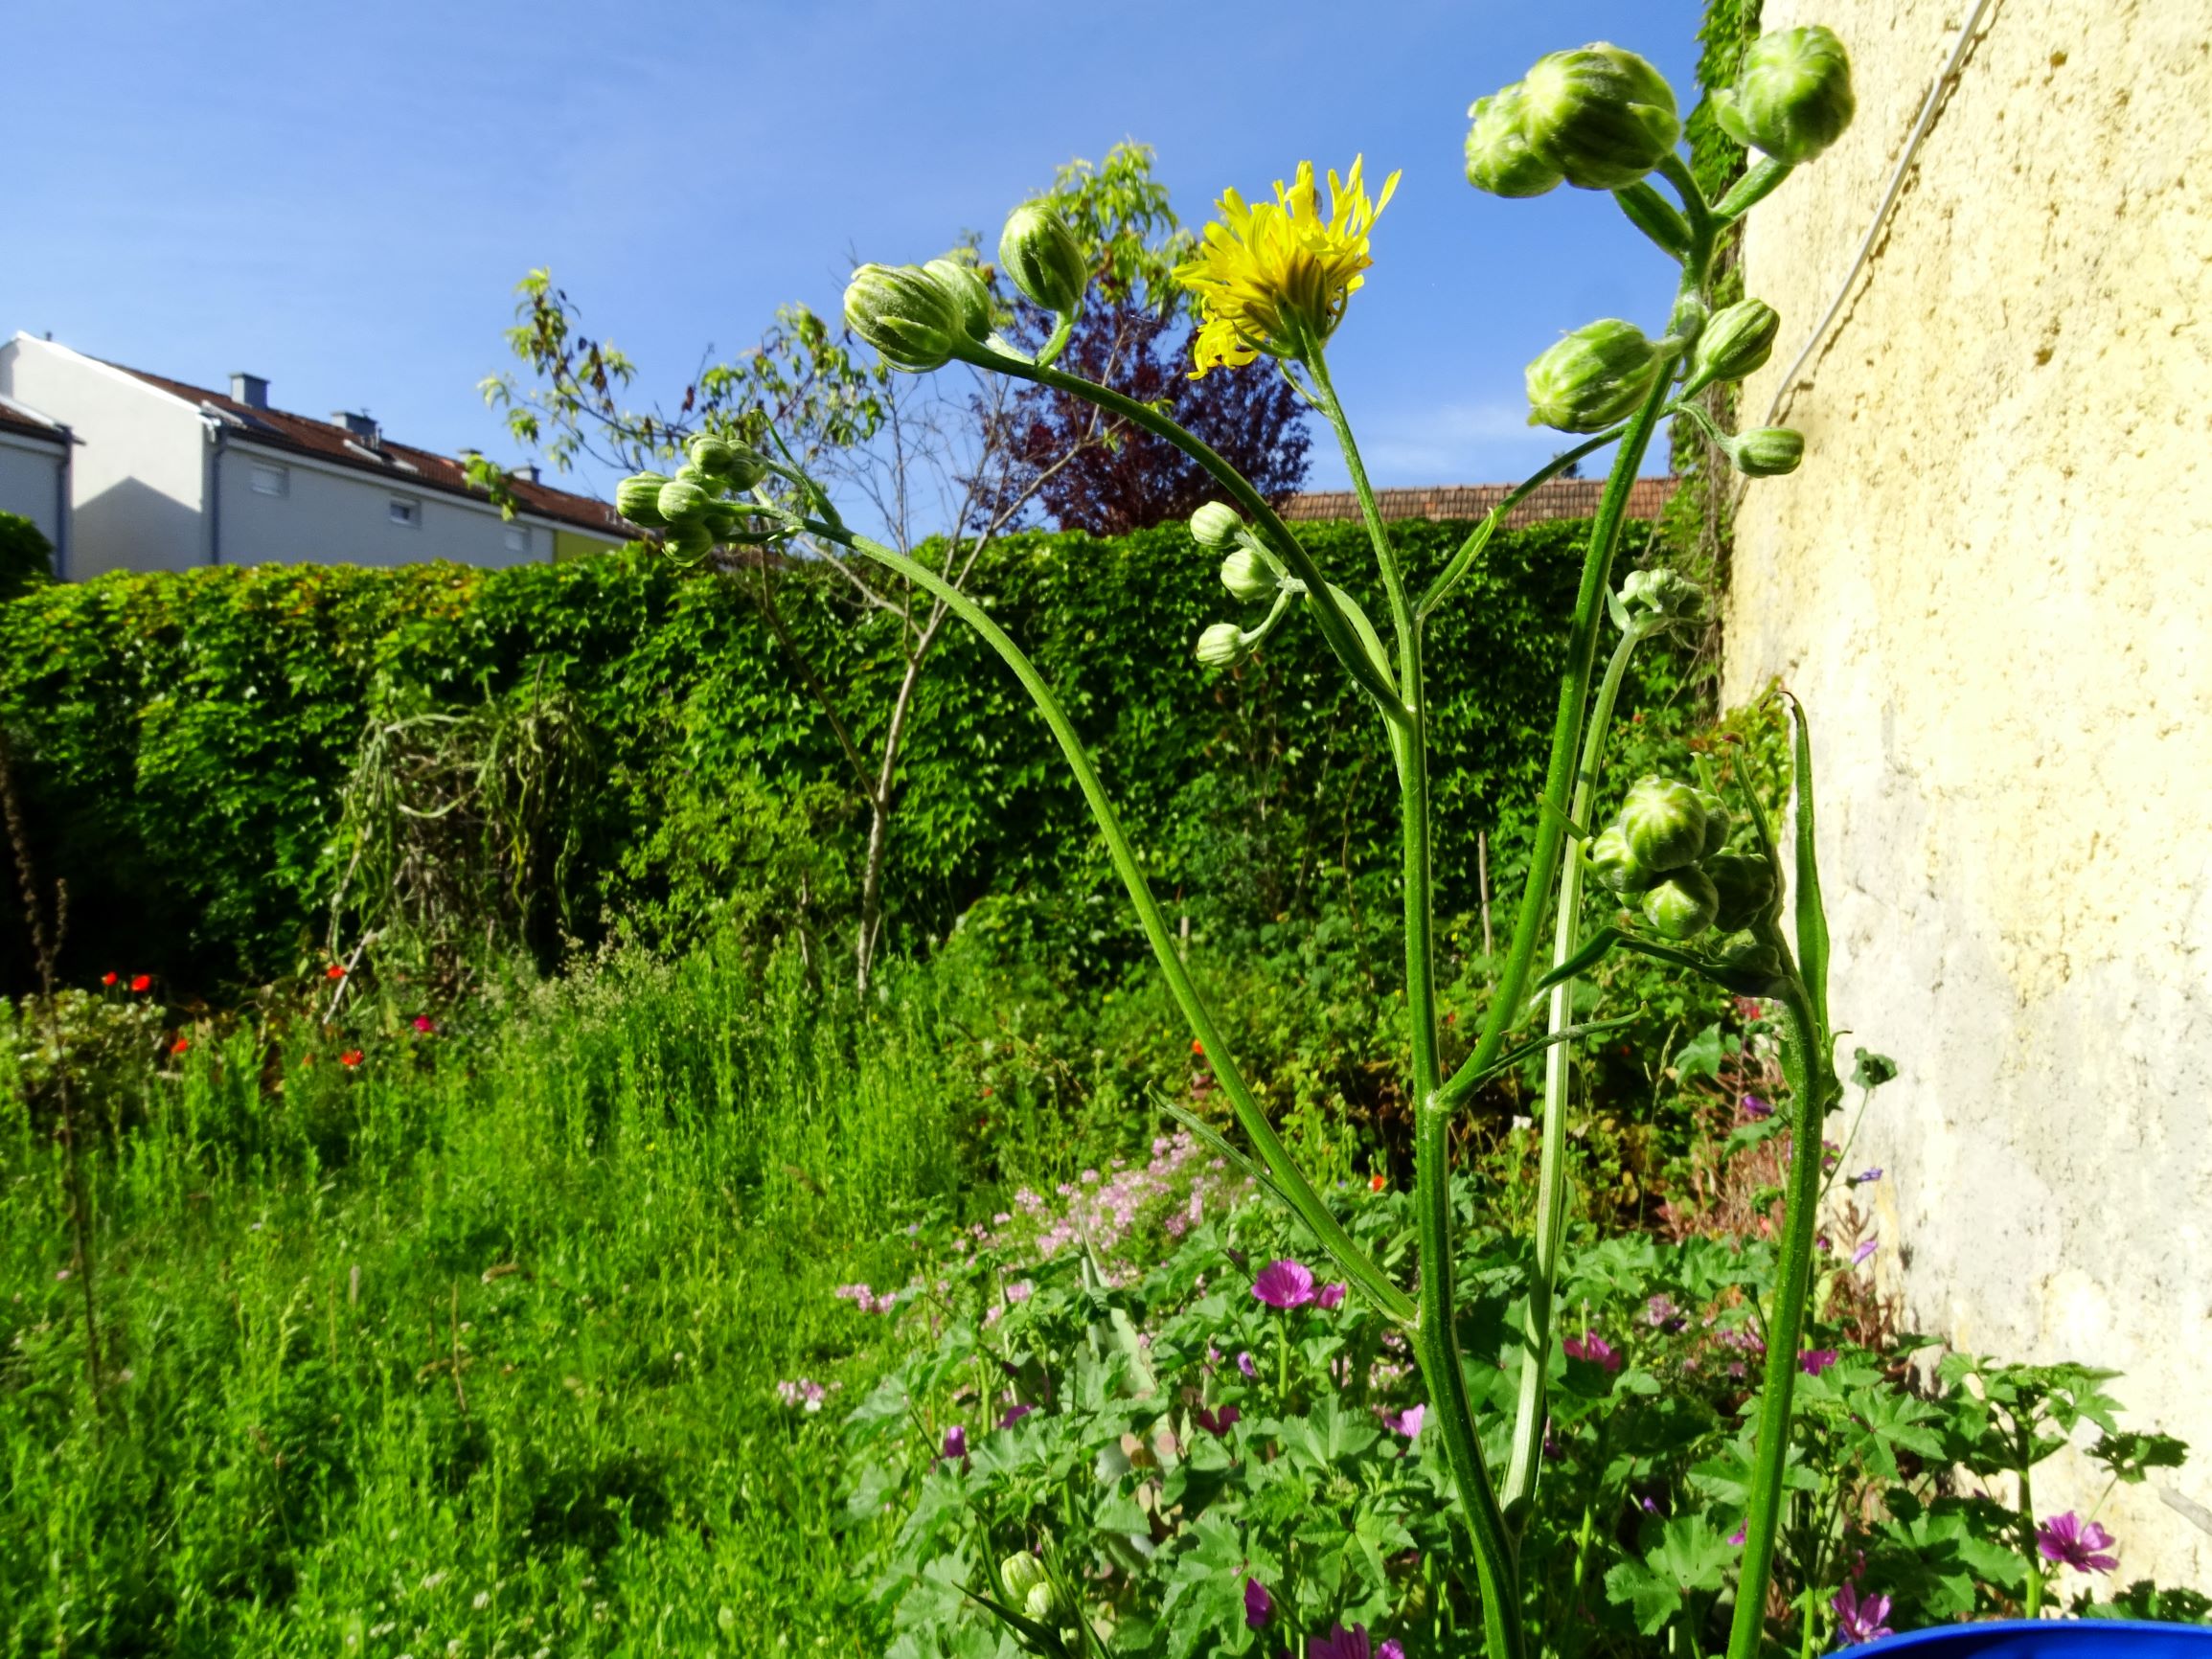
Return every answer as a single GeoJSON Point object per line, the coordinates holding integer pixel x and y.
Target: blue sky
{"type": "Point", "coordinates": [341, 199]}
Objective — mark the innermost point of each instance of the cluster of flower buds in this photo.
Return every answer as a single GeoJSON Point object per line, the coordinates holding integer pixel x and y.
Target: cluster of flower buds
{"type": "Point", "coordinates": [1598, 118]}
{"type": "Point", "coordinates": [1030, 1587]}
{"type": "Point", "coordinates": [1660, 596]}
{"type": "Point", "coordinates": [1669, 849]}
{"type": "Point", "coordinates": [921, 317]}
{"type": "Point", "coordinates": [1248, 570]}
{"type": "Point", "coordinates": [1598, 373]}
{"type": "Point", "coordinates": [693, 509]}
{"type": "Point", "coordinates": [1792, 98]}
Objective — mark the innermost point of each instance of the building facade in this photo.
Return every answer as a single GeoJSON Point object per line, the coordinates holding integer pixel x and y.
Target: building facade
{"type": "Point", "coordinates": [34, 473]}
{"type": "Point", "coordinates": [163, 475]}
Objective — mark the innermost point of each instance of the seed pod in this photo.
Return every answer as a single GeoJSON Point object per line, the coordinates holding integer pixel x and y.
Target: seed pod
{"type": "Point", "coordinates": [1595, 376]}
{"type": "Point", "coordinates": [1766, 451]}
{"type": "Point", "coordinates": [638, 499]}
{"type": "Point", "coordinates": [1499, 158]}
{"type": "Point", "coordinates": [1792, 98]}
{"type": "Point", "coordinates": [1041, 255]}
{"type": "Point", "coordinates": [1716, 825]}
{"type": "Point", "coordinates": [906, 315]}
{"type": "Point", "coordinates": [1663, 823]}
{"type": "Point", "coordinates": [1681, 906]}
{"type": "Point", "coordinates": [1222, 646]}
{"type": "Point", "coordinates": [680, 499]}
{"type": "Point", "coordinates": [1601, 116]}
{"type": "Point", "coordinates": [970, 295]}
{"type": "Point", "coordinates": [1744, 885]}
{"type": "Point", "coordinates": [1661, 593]}
{"type": "Point", "coordinates": [1613, 866]}
{"type": "Point", "coordinates": [1246, 576]}
{"type": "Point", "coordinates": [1215, 525]}
{"type": "Point", "coordinates": [1737, 339]}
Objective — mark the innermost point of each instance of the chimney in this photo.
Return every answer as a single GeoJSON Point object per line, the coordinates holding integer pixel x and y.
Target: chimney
{"type": "Point", "coordinates": [361, 426]}
{"type": "Point", "coordinates": [527, 472]}
{"type": "Point", "coordinates": [251, 390]}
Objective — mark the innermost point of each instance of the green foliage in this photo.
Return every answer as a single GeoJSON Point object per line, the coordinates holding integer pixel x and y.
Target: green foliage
{"type": "Point", "coordinates": [185, 744]}
{"type": "Point", "coordinates": [26, 557]}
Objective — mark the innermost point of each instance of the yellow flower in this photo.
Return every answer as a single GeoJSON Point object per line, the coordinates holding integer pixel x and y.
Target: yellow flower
{"type": "Point", "coordinates": [1274, 277]}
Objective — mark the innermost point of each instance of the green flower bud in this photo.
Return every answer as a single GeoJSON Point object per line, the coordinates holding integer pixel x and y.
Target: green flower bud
{"type": "Point", "coordinates": [1601, 116]}
{"type": "Point", "coordinates": [1663, 823]}
{"type": "Point", "coordinates": [1222, 646]}
{"type": "Point", "coordinates": [691, 539]}
{"type": "Point", "coordinates": [1716, 824]}
{"type": "Point", "coordinates": [970, 295]}
{"type": "Point", "coordinates": [1745, 882]}
{"type": "Point", "coordinates": [1681, 905]}
{"type": "Point", "coordinates": [1743, 954]}
{"type": "Point", "coordinates": [906, 315]}
{"type": "Point", "coordinates": [638, 499]}
{"type": "Point", "coordinates": [1766, 451]}
{"type": "Point", "coordinates": [1737, 339]}
{"type": "Point", "coordinates": [1041, 255]}
{"type": "Point", "coordinates": [1028, 1585]}
{"type": "Point", "coordinates": [1661, 593]}
{"type": "Point", "coordinates": [1792, 98]}
{"type": "Point", "coordinates": [1247, 577]}
{"type": "Point", "coordinates": [1215, 525]}
{"type": "Point", "coordinates": [680, 499]}
{"type": "Point", "coordinates": [1595, 376]}
{"type": "Point", "coordinates": [729, 465]}
{"type": "Point", "coordinates": [1499, 159]}
{"type": "Point", "coordinates": [1612, 866]}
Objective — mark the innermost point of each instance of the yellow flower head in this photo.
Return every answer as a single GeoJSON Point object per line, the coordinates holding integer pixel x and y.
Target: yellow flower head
{"type": "Point", "coordinates": [1274, 277]}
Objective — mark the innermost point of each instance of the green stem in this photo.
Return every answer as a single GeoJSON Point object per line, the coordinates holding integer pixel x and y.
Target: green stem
{"type": "Point", "coordinates": [1525, 1460]}
{"type": "Point", "coordinates": [1272, 1155]}
{"type": "Point", "coordinates": [1451, 575]}
{"type": "Point", "coordinates": [1805, 1066]}
{"type": "Point", "coordinates": [1335, 626]}
{"type": "Point", "coordinates": [2034, 1605]}
{"type": "Point", "coordinates": [1436, 1339]}
{"type": "Point", "coordinates": [1283, 1361]}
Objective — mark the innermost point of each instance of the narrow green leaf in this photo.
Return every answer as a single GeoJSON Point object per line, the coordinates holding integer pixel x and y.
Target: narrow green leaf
{"type": "Point", "coordinates": [1811, 914]}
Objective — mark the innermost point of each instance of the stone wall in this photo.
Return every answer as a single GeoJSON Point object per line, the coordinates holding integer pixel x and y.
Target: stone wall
{"type": "Point", "coordinates": [1991, 584]}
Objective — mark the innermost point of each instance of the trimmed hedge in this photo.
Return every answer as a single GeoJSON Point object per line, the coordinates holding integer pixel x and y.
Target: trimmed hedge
{"type": "Point", "coordinates": [182, 740]}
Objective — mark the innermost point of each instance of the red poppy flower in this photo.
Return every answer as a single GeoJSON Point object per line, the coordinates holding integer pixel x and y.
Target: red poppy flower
{"type": "Point", "coordinates": [1376, 1183]}
{"type": "Point", "coordinates": [142, 983]}
{"type": "Point", "coordinates": [108, 979]}
{"type": "Point", "coordinates": [425, 1024]}
{"type": "Point", "coordinates": [333, 972]}
{"type": "Point", "coordinates": [1197, 1048]}
{"type": "Point", "coordinates": [351, 1058]}
{"type": "Point", "coordinates": [180, 1045]}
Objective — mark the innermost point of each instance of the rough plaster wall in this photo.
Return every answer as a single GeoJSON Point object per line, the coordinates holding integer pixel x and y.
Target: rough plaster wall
{"type": "Point", "coordinates": [1991, 583]}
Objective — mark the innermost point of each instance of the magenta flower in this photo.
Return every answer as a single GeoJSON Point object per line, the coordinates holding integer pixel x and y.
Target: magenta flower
{"type": "Point", "coordinates": [1858, 1257]}
{"type": "Point", "coordinates": [1013, 1415]}
{"type": "Point", "coordinates": [1815, 1360]}
{"type": "Point", "coordinates": [1339, 1644]}
{"type": "Point", "coordinates": [1390, 1650]}
{"type": "Point", "coordinates": [1245, 1364]}
{"type": "Point", "coordinates": [2076, 1543]}
{"type": "Point", "coordinates": [1332, 1297]}
{"type": "Point", "coordinates": [1867, 1177]}
{"type": "Point", "coordinates": [1741, 1532]}
{"type": "Point", "coordinates": [1217, 1422]}
{"type": "Point", "coordinates": [1754, 1108]}
{"type": "Point", "coordinates": [1860, 1621]}
{"type": "Point", "coordinates": [1284, 1284]}
{"type": "Point", "coordinates": [1593, 1351]}
{"type": "Point", "coordinates": [1409, 1422]}
{"type": "Point", "coordinates": [955, 1443]}
{"type": "Point", "coordinates": [1258, 1605]}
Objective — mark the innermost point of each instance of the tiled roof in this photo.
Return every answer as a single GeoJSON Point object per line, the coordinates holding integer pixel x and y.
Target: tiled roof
{"type": "Point", "coordinates": [16, 417]}
{"type": "Point", "coordinates": [1560, 498]}
{"type": "Point", "coordinates": [397, 463]}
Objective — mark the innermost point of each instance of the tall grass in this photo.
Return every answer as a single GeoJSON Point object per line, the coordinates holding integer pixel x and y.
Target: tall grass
{"type": "Point", "coordinates": [470, 1349]}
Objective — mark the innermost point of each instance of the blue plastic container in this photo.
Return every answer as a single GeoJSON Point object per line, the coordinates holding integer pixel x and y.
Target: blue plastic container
{"type": "Point", "coordinates": [2046, 1639]}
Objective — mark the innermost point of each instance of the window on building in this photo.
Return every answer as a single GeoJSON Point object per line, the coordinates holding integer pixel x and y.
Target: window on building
{"type": "Point", "coordinates": [519, 539]}
{"type": "Point", "coordinates": [271, 479]}
{"type": "Point", "coordinates": [408, 512]}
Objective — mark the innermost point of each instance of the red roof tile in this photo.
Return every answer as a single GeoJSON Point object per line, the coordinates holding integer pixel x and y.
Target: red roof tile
{"type": "Point", "coordinates": [398, 464]}
{"type": "Point", "coordinates": [1560, 498]}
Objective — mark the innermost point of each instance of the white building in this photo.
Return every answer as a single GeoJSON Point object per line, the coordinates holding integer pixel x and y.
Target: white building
{"type": "Point", "coordinates": [166, 476]}
{"type": "Point", "coordinates": [34, 473]}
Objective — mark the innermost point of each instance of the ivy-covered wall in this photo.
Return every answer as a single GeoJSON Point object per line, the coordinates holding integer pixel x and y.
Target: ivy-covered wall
{"type": "Point", "coordinates": [182, 740]}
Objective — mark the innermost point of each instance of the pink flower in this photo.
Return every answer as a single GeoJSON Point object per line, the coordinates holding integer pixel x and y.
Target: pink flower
{"type": "Point", "coordinates": [1858, 1256]}
{"type": "Point", "coordinates": [1245, 1364]}
{"type": "Point", "coordinates": [1390, 1650]}
{"type": "Point", "coordinates": [1284, 1284]}
{"type": "Point", "coordinates": [2076, 1543]}
{"type": "Point", "coordinates": [955, 1443]}
{"type": "Point", "coordinates": [1737, 1537]}
{"type": "Point", "coordinates": [1815, 1360]}
{"type": "Point", "coordinates": [1860, 1621]}
{"type": "Point", "coordinates": [1592, 1351]}
{"type": "Point", "coordinates": [1258, 1605]}
{"type": "Point", "coordinates": [1013, 1415]}
{"type": "Point", "coordinates": [1409, 1422]}
{"type": "Point", "coordinates": [425, 1024]}
{"type": "Point", "coordinates": [1332, 1297]}
{"type": "Point", "coordinates": [1339, 1644]}
{"type": "Point", "coordinates": [1754, 1108]}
